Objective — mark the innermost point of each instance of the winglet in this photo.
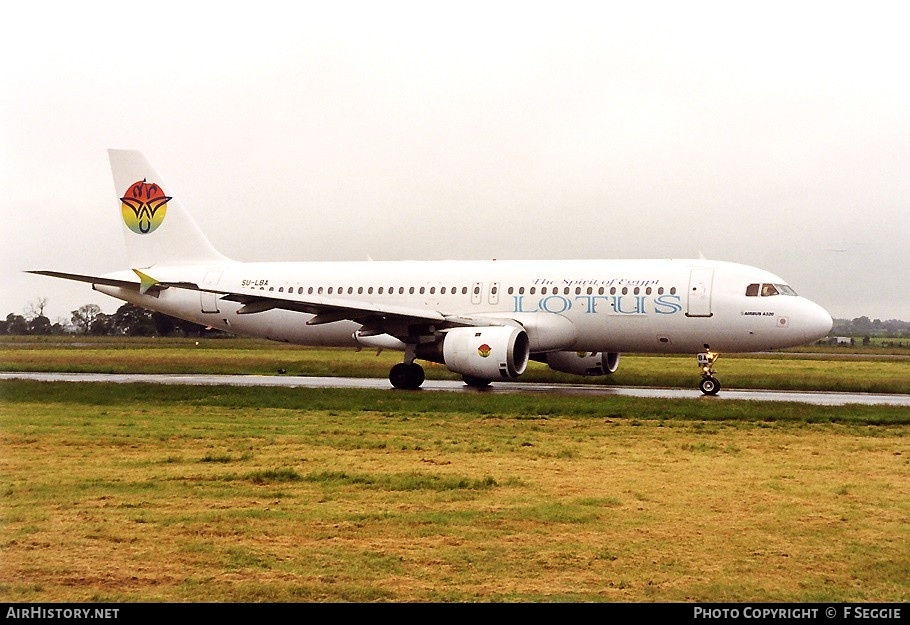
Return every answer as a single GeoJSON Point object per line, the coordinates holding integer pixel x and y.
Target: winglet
{"type": "Point", "coordinates": [145, 281]}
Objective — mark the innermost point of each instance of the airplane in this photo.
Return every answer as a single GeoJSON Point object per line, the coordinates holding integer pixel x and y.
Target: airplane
{"type": "Point", "coordinates": [484, 319]}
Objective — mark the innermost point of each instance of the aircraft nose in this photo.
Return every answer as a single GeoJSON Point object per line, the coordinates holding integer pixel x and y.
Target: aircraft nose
{"type": "Point", "coordinates": [819, 322]}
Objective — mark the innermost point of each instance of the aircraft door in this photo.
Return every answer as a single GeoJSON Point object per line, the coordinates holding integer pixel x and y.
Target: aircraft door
{"type": "Point", "coordinates": [209, 301]}
{"type": "Point", "coordinates": [699, 300]}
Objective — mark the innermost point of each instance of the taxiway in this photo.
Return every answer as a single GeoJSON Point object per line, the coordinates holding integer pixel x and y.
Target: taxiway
{"type": "Point", "coordinates": [806, 397]}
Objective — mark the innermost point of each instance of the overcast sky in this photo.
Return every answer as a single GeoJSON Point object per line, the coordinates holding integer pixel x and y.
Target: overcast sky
{"type": "Point", "coordinates": [775, 134]}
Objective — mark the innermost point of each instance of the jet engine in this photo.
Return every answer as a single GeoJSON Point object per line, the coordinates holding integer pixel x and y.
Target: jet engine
{"type": "Point", "coordinates": [486, 353]}
{"type": "Point", "coordinates": [583, 363]}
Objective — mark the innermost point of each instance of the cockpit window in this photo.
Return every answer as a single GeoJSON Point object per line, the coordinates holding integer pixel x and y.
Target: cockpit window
{"type": "Point", "coordinates": [767, 290]}
{"type": "Point", "coordinates": [785, 289]}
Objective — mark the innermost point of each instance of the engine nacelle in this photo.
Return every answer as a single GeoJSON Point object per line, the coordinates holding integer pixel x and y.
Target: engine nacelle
{"type": "Point", "coordinates": [583, 363]}
{"type": "Point", "coordinates": [488, 353]}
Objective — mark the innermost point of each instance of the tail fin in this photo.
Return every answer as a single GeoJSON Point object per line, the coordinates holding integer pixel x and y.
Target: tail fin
{"type": "Point", "coordinates": [158, 229]}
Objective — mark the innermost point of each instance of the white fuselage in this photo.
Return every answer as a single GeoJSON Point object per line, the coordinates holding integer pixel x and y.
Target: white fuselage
{"type": "Point", "coordinates": [667, 306]}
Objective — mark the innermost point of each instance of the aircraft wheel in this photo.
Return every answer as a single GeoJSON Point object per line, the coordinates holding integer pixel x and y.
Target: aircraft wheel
{"type": "Point", "coordinates": [470, 380]}
{"type": "Point", "coordinates": [709, 386]}
{"type": "Point", "coordinates": [406, 375]}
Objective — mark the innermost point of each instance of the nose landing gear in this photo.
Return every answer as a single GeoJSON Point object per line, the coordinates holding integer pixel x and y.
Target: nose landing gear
{"type": "Point", "coordinates": [709, 385]}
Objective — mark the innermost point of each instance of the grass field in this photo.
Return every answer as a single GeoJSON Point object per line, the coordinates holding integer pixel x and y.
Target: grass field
{"type": "Point", "coordinates": [128, 493]}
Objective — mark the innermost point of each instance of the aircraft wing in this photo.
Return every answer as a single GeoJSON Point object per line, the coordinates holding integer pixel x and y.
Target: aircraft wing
{"type": "Point", "coordinates": [402, 322]}
{"type": "Point", "coordinates": [327, 310]}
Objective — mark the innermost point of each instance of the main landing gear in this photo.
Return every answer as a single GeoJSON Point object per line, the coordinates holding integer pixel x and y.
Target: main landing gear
{"type": "Point", "coordinates": [475, 382]}
{"type": "Point", "coordinates": [709, 385]}
{"type": "Point", "coordinates": [408, 374]}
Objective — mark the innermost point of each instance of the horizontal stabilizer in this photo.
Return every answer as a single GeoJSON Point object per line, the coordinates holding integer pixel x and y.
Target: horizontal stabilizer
{"type": "Point", "coordinates": [90, 279]}
{"type": "Point", "coordinates": [146, 283]}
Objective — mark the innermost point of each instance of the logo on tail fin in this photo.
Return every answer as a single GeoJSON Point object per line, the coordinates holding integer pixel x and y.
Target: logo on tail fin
{"type": "Point", "coordinates": [144, 206]}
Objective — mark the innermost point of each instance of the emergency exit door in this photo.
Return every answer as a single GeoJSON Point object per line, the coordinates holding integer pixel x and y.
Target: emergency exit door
{"type": "Point", "coordinates": [209, 301]}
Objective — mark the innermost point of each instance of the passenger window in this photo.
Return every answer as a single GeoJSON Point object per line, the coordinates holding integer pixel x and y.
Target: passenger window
{"type": "Point", "coordinates": [752, 290]}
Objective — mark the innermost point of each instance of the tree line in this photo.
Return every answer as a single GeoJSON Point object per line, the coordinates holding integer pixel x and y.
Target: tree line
{"type": "Point", "coordinates": [863, 326]}
{"type": "Point", "coordinates": [88, 320]}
